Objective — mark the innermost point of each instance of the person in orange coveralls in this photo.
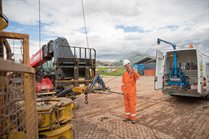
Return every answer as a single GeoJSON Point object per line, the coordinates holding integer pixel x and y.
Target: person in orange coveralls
{"type": "Point", "coordinates": [128, 88]}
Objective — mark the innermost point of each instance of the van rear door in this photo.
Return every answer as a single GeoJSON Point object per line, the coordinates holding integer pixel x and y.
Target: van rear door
{"type": "Point", "coordinates": [207, 76]}
{"type": "Point", "coordinates": [159, 70]}
{"type": "Point", "coordinates": [200, 72]}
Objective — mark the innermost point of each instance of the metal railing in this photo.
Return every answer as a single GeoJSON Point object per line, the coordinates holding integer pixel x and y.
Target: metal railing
{"type": "Point", "coordinates": [83, 53]}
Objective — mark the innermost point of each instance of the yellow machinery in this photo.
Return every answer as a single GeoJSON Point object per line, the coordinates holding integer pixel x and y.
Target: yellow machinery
{"type": "Point", "coordinates": [15, 134]}
{"type": "Point", "coordinates": [54, 111]}
{"type": "Point", "coordinates": [64, 132]}
{"type": "Point", "coordinates": [3, 19]}
{"type": "Point", "coordinates": [54, 116]}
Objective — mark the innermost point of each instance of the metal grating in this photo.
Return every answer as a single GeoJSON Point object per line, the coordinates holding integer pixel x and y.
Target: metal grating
{"type": "Point", "coordinates": [12, 108]}
{"type": "Point", "coordinates": [18, 117]}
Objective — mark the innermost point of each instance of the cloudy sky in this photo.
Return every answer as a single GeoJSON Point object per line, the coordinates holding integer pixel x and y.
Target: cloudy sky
{"type": "Point", "coordinates": [116, 28]}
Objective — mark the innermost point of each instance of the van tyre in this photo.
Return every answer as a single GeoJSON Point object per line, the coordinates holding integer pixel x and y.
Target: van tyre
{"type": "Point", "coordinates": [175, 96]}
{"type": "Point", "coordinates": [207, 97]}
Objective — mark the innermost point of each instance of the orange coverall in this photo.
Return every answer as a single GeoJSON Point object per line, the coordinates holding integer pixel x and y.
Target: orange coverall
{"type": "Point", "coordinates": [129, 90]}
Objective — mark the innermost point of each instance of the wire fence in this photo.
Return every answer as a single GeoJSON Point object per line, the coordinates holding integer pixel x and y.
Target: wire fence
{"type": "Point", "coordinates": [18, 117]}
{"type": "Point", "coordinates": [16, 49]}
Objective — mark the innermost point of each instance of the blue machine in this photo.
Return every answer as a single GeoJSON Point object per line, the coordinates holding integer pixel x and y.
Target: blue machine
{"type": "Point", "coordinates": [136, 67]}
{"type": "Point", "coordinates": [177, 77]}
{"type": "Point", "coordinates": [139, 68]}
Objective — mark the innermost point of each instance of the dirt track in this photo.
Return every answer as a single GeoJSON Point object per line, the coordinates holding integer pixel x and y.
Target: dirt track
{"type": "Point", "coordinates": [159, 116]}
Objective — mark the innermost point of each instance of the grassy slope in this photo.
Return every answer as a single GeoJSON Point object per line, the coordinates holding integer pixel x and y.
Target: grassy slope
{"type": "Point", "coordinates": [117, 72]}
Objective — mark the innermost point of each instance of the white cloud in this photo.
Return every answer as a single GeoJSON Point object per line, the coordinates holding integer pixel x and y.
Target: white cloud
{"type": "Point", "coordinates": [189, 19]}
{"type": "Point", "coordinates": [23, 12]}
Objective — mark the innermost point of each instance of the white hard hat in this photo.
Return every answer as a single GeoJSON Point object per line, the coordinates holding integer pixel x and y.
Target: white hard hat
{"type": "Point", "coordinates": [125, 62]}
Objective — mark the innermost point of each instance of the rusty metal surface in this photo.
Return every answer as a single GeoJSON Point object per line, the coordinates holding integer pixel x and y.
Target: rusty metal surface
{"type": "Point", "coordinates": [17, 108]}
{"type": "Point", "coordinates": [30, 107]}
{"type": "Point", "coordinates": [7, 47]}
{"type": "Point", "coordinates": [12, 35]}
{"type": "Point", "coordinates": [12, 107]}
{"type": "Point", "coordinates": [3, 19]}
{"type": "Point", "coordinates": [25, 42]}
{"type": "Point", "coordinates": [18, 116]}
{"type": "Point", "coordinates": [14, 67]}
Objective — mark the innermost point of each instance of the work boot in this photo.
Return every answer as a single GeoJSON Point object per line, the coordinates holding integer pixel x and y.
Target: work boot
{"type": "Point", "coordinates": [126, 120]}
{"type": "Point", "coordinates": [133, 121]}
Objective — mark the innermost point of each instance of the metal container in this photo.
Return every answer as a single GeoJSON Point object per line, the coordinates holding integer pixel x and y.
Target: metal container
{"type": "Point", "coordinates": [149, 66]}
{"type": "Point", "coordinates": [141, 69]}
{"type": "Point", "coordinates": [48, 116]}
{"type": "Point", "coordinates": [66, 111]}
{"type": "Point", "coordinates": [150, 72]}
{"type": "Point", "coordinates": [64, 132]}
{"type": "Point", "coordinates": [53, 111]}
{"type": "Point", "coordinates": [15, 134]}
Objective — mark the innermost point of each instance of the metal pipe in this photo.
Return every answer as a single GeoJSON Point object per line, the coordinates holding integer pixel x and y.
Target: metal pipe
{"type": "Point", "coordinates": [8, 48]}
{"type": "Point", "coordinates": [1, 48]}
{"type": "Point", "coordinates": [173, 45]}
{"type": "Point", "coordinates": [74, 51]}
{"type": "Point", "coordinates": [79, 52]}
{"type": "Point", "coordinates": [1, 41]}
{"type": "Point", "coordinates": [90, 54]}
{"type": "Point", "coordinates": [1, 9]}
{"type": "Point", "coordinates": [85, 53]}
{"type": "Point", "coordinates": [175, 63]}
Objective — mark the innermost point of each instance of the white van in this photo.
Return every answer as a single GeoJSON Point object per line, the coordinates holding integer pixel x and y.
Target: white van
{"type": "Point", "coordinates": [194, 67]}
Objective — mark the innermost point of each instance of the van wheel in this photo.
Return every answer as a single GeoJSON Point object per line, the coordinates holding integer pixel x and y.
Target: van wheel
{"type": "Point", "coordinates": [207, 97]}
{"type": "Point", "coordinates": [174, 95]}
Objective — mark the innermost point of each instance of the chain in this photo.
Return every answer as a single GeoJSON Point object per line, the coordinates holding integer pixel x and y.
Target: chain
{"type": "Point", "coordinates": [86, 98]}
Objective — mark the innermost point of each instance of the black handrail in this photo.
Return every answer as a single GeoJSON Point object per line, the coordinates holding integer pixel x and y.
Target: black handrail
{"type": "Point", "coordinates": [90, 53]}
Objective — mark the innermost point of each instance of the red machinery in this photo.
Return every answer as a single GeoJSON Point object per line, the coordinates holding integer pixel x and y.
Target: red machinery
{"type": "Point", "coordinates": [45, 83]}
{"type": "Point", "coordinates": [58, 65]}
{"type": "Point", "coordinates": [37, 59]}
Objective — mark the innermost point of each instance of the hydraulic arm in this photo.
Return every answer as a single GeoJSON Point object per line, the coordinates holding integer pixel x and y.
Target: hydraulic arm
{"type": "Point", "coordinates": [176, 75]}
{"type": "Point", "coordinates": [174, 54]}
